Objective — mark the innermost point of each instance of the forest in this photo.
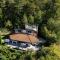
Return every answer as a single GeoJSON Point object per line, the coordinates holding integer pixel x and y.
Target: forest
{"type": "Point", "coordinates": [43, 13]}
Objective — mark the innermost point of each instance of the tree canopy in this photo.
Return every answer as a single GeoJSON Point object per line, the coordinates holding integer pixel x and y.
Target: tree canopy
{"type": "Point", "coordinates": [44, 13]}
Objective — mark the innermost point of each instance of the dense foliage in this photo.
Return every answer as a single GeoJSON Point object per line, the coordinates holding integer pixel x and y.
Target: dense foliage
{"type": "Point", "coordinates": [44, 13]}
{"type": "Point", "coordinates": [46, 53]}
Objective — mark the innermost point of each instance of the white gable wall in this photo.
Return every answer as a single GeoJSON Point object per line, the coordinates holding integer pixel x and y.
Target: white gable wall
{"type": "Point", "coordinates": [32, 27]}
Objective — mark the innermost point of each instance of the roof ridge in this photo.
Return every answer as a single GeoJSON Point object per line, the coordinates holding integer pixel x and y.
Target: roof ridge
{"type": "Point", "coordinates": [29, 38]}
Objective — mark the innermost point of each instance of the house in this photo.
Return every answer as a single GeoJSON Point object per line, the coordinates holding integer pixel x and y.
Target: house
{"type": "Point", "coordinates": [24, 39]}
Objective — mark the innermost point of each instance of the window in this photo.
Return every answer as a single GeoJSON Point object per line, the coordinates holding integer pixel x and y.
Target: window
{"type": "Point", "coordinates": [27, 45]}
{"type": "Point", "coordinates": [10, 41]}
{"type": "Point", "coordinates": [29, 31]}
{"type": "Point", "coordinates": [14, 42]}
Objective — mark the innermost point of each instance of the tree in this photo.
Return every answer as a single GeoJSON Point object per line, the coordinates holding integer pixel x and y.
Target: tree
{"type": "Point", "coordinates": [50, 12]}
{"type": "Point", "coordinates": [31, 19]}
